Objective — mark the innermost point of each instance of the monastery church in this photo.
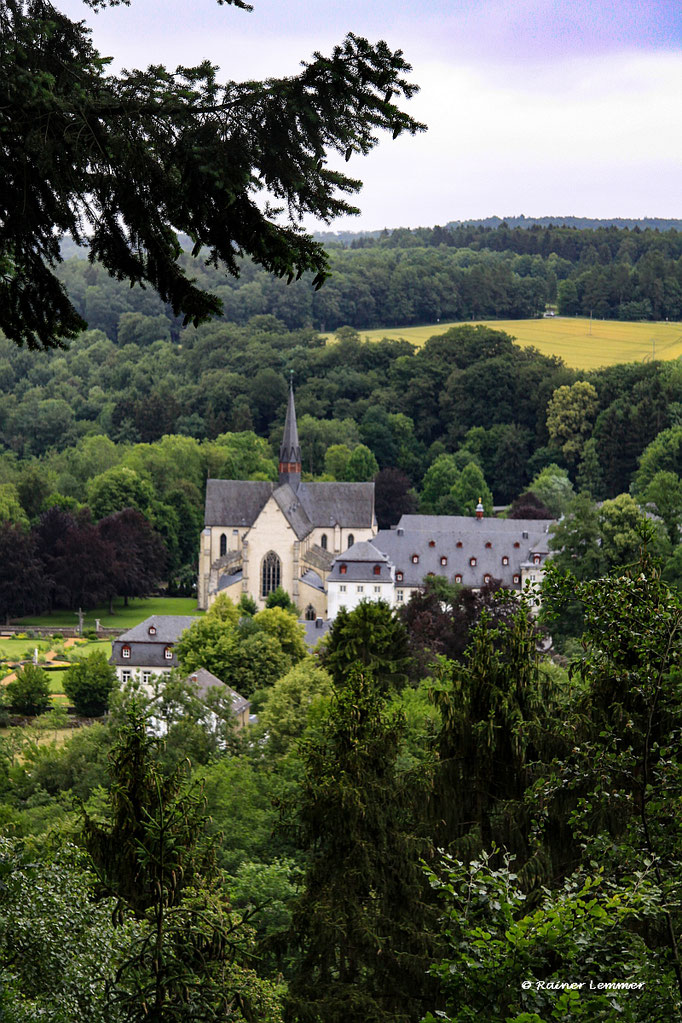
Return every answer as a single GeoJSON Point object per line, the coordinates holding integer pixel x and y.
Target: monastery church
{"type": "Point", "coordinates": [261, 535]}
{"type": "Point", "coordinates": [320, 542]}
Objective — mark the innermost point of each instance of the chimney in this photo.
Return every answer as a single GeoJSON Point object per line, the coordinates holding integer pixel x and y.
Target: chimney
{"type": "Point", "coordinates": [318, 623]}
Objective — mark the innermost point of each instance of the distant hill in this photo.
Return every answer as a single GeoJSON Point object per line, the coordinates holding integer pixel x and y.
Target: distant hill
{"type": "Point", "coordinates": [346, 238]}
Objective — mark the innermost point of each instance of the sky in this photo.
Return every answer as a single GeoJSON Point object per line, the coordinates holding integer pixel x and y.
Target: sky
{"type": "Point", "coordinates": [540, 107]}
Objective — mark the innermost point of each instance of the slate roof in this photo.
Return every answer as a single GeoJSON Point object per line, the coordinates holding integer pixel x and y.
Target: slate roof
{"type": "Point", "coordinates": [433, 537]}
{"type": "Point", "coordinates": [150, 651]}
{"type": "Point", "coordinates": [205, 680]}
{"type": "Point", "coordinates": [360, 561]}
{"type": "Point", "coordinates": [234, 503]}
{"type": "Point", "coordinates": [312, 579]}
{"type": "Point", "coordinates": [315, 631]}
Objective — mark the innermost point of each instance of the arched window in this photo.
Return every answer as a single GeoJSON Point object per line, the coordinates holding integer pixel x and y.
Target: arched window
{"type": "Point", "coordinates": [310, 610]}
{"type": "Point", "coordinates": [323, 544]}
{"type": "Point", "coordinates": [351, 539]}
{"type": "Point", "coordinates": [271, 573]}
{"type": "Point", "coordinates": [223, 545]}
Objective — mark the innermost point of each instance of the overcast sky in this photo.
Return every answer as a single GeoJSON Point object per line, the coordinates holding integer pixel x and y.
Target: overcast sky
{"type": "Point", "coordinates": [541, 107]}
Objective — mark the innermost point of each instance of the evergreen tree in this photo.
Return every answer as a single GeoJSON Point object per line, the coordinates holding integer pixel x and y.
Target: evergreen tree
{"type": "Point", "coordinates": [361, 923]}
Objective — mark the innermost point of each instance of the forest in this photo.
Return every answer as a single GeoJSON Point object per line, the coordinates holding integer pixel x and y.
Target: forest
{"type": "Point", "coordinates": [430, 820]}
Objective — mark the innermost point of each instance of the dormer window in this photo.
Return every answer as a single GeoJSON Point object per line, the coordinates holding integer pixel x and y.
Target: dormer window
{"type": "Point", "coordinates": [486, 579]}
{"type": "Point", "coordinates": [415, 559]}
{"type": "Point", "coordinates": [472, 562]}
{"type": "Point", "coordinates": [152, 630]}
{"type": "Point", "coordinates": [536, 559]}
{"type": "Point", "coordinates": [343, 569]}
{"type": "Point", "coordinates": [443, 561]}
{"type": "Point", "coordinates": [399, 576]}
{"type": "Point", "coordinates": [517, 579]}
{"type": "Point", "coordinates": [432, 543]}
{"type": "Point", "coordinates": [168, 653]}
{"type": "Point", "coordinates": [430, 574]}
{"type": "Point", "coordinates": [458, 578]}
{"type": "Point", "coordinates": [516, 543]}
{"type": "Point", "coordinates": [377, 569]}
{"type": "Point", "coordinates": [524, 535]}
{"type": "Point", "coordinates": [458, 544]}
{"type": "Point", "coordinates": [505, 560]}
{"type": "Point", "coordinates": [488, 544]}
{"type": "Point", "coordinates": [125, 651]}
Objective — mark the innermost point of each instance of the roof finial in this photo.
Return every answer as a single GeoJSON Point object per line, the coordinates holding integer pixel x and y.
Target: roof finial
{"type": "Point", "coordinates": [480, 511]}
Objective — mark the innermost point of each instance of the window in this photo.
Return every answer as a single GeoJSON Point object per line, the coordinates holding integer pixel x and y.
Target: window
{"type": "Point", "coordinates": [517, 579]}
{"type": "Point", "coordinates": [223, 545]}
{"type": "Point", "coordinates": [271, 573]}
{"type": "Point", "coordinates": [488, 544]}
{"type": "Point", "coordinates": [146, 676]}
{"type": "Point", "coordinates": [415, 559]}
{"type": "Point", "coordinates": [168, 653]}
{"type": "Point", "coordinates": [152, 630]}
{"type": "Point", "coordinates": [125, 676]}
{"type": "Point", "coordinates": [536, 559]}
{"type": "Point", "coordinates": [458, 578]}
{"type": "Point", "coordinates": [359, 589]}
{"type": "Point", "coordinates": [323, 541]}
{"type": "Point", "coordinates": [399, 577]}
{"type": "Point", "coordinates": [458, 544]}
{"type": "Point", "coordinates": [486, 578]}
{"type": "Point", "coordinates": [310, 613]}
{"type": "Point", "coordinates": [505, 560]}
{"type": "Point", "coordinates": [430, 574]}
{"type": "Point", "coordinates": [516, 543]}
{"type": "Point", "coordinates": [524, 535]}
{"type": "Point", "coordinates": [399, 596]}
{"type": "Point", "coordinates": [377, 589]}
{"type": "Point", "coordinates": [342, 588]}
{"type": "Point", "coordinates": [125, 652]}
{"type": "Point", "coordinates": [377, 569]}
{"type": "Point", "coordinates": [472, 561]}
{"type": "Point", "coordinates": [432, 543]}
{"type": "Point", "coordinates": [351, 539]}
{"type": "Point", "coordinates": [343, 569]}
{"type": "Point", "coordinates": [443, 561]}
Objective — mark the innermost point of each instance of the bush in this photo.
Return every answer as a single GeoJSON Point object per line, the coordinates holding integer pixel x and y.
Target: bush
{"type": "Point", "coordinates": [88, 683]}
{"type": "Point", "coordinates": [30, 691]}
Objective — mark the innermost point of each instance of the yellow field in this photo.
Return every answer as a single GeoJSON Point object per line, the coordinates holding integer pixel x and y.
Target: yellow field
{"type": "Point", "coordinates": [580, 344]}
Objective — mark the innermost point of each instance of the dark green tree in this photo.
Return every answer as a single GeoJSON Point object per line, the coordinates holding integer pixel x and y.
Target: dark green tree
{"type": "Point", "coordinates": [124, 162]}
{"type": "Point", "coordinates": [89, 683]}
{"type": "Point", "coordinates": [360, 924]}
{"type": "Point", "coordinates": [372, 637]}
{"type": "Point", "coordinates": [29, 692]}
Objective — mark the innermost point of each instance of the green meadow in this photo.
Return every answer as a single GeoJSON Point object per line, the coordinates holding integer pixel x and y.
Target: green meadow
{"type": "Point", "coordinates": [122, 618]}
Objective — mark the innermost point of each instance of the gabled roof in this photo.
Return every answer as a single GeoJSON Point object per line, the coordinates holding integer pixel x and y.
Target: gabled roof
{"type": "Point", "coordinates": [238, 503]}
{"type": "Point", "coordinates": [169, 628]}
{"type": "Point", "coordinates": [205, 680]}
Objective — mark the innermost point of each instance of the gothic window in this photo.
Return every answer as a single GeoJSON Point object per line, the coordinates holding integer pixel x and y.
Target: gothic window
{"type": "Point", "coordinates": [271, 573]}
{"type": "Point", "coordinates": [310, 612]}
{"type": "Point", "coordinates": [223, 545]}
{"type": "Point", "coordinates": [323, 542]}
{"type": "Point", "coordinates": [351, 539]}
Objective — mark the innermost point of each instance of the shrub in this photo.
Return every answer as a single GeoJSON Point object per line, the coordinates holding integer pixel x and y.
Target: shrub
{"type": "Point", "coordinates": [88, 683]}
{"type": "Point", "coordinates": [29, 693]}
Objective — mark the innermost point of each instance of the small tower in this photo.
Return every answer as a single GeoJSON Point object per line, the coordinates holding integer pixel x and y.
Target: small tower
{"type": "Point", "coordinates": [290, 449]}
{"type": "Point", "coordinates": [480, 511]}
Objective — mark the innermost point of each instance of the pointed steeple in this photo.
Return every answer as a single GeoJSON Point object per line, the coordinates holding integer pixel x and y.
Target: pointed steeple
{"type": "Point", "coordinates": [290, 449]}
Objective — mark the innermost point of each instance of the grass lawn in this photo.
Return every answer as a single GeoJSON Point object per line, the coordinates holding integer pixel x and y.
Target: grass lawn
{"type": "Point", "coordinates": [123, 617]}
{"type": "Point", "coordinates": [580, 344]}
{"type": "Point", "coordinates": [20, 649]}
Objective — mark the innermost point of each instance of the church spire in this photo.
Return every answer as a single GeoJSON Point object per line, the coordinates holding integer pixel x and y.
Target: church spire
{"type": "Point", "coordinates": [290, 450]}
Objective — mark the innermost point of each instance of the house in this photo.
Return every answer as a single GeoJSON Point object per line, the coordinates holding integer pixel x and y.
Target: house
{"type": "Point", "coordinates": [204, 681]}
{"type": "Point", "coordinates": [363, 572]}
{"type": "Point", "coordinates": [149, 648]}
{"type": "Point", "coordinates": [469, 550]}
{"type": "Point", "coordinates": [259, 535]}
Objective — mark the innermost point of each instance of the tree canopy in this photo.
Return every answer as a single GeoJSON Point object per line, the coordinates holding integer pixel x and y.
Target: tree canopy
{"type": "Point", "coordinates": [125, 162]}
